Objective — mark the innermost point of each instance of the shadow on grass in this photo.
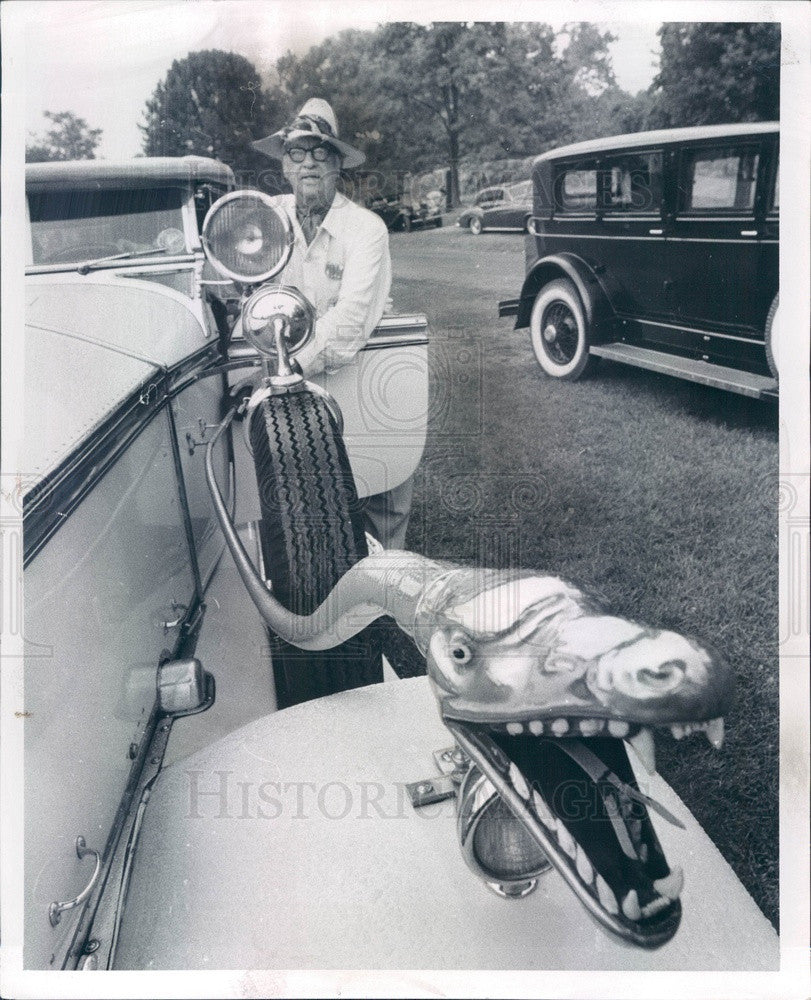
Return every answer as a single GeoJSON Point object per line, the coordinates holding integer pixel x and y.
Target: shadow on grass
{"type": "Point", "coordinates": [728, 409]}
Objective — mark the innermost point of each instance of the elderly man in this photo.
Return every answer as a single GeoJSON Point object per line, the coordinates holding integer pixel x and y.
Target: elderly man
{"type": "Point", "coordinates": [341, 262]}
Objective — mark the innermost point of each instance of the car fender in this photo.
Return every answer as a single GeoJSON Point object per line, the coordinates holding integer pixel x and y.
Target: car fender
{"type": "Point", "coordinates": [599, 312]}
{"type": "Point", "coordinates": [465, 217]}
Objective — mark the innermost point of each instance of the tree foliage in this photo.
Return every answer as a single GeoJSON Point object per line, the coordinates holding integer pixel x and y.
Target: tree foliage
{"type": "Point", "coordinates": [212, 103]}
{"type": "Point", "coordinates": [420, 97]}
{"type": "Point", "coordinates": [712, 73]}
{"type": "Point", "coordinates": [68, 138]}
{"type": "Point", "coordinates": [414, 95]}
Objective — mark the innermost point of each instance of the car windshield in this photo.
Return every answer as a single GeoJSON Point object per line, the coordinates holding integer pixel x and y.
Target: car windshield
{"type": "Point", "coordinates": [75, 226]}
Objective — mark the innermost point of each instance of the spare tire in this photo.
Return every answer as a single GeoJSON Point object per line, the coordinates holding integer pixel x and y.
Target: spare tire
{"type": "Point", "coordinates": [311, 532]}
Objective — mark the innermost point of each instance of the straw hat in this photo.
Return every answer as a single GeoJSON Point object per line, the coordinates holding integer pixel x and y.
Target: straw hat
{"type": "Point", "coordinates": [316, 119]}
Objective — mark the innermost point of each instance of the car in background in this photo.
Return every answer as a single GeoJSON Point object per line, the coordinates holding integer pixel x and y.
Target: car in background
{"type": "Point", "coordinates": [399, 214]}
{"type": "Point", "coordinates": [505, 208]}
{"type": "Point", "coordinates": [659, 250]}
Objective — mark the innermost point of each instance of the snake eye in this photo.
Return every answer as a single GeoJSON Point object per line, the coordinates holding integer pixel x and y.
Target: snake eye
{"type": "Point", "coordinates": [460, 651]}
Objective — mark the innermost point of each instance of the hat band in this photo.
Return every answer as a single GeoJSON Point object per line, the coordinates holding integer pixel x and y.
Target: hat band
{"type": "Point", "coordinates": [312, 123]}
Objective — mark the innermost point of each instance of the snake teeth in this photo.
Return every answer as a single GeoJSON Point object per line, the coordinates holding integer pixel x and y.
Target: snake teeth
{"type": "Point", "coordinates": [671, 885]}
{"type": "Point", "coordinates": [583, 865]}
{"type": "Point", "coordinates": [618, 728]}
{"type": "Point", "coordinates": [712, 728]}
{"type": "Point", "coordinates": [543, 810]}
{"type": "Point", "coordinates": [655, 905]}
{"type": "Point", "coordinates": [590, 727]}
{"type": "Point", "coordinates": [630, 906]}
{"type": "Point", "coordinates": [519, 782]}
{"type": "Point", "coordinates": [606, 896]}
{"type": "Point", "coordinates": [565, 839]}
{"type": "Point", "coordinates": [645, 749]}
{"type": "Point", "coordinates": [715, 732]}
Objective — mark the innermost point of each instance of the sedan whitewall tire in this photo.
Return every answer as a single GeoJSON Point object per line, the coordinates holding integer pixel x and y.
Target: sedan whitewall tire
{"type": "Point", "coordinates": [559, 331]}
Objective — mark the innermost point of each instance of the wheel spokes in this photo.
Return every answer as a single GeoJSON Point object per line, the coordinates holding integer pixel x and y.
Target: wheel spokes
{"type": "Point", "coordinates": [559, 330]}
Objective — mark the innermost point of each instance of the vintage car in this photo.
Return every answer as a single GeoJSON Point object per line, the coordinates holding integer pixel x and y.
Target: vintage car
{"type": "Point", "coordinates": [507, 208]}
{"type": "Point", "coordinates": [400, 214]}
{"type": "Point", "coordinates": [130, 364]}
{"type": "Point", "coordinates": [173, 817]}
{"type": "Point", "coordinates": [660, 250]}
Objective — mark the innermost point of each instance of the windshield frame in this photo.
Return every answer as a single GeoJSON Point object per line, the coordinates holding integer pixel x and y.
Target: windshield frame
{"type": "Point", "coordinates": [191, 236]}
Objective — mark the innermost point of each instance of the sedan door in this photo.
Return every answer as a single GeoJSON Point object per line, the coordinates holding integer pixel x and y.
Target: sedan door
{"type": "Point", "coordinates": [714, 237]}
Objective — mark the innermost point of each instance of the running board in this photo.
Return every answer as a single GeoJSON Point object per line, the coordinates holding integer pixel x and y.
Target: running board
{"type": "Point", "coordinates": [731, 379]}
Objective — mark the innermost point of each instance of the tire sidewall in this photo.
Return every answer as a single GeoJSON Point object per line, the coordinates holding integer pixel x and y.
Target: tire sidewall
{"type": "Point", "coordinates": [475, 226]}
{"type": "Point", "coordinates": [773, 344]}
{"type": "Point", "coordinates": [564, 291]}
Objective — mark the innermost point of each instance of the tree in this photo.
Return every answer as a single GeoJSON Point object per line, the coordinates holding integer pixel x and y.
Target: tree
{"type": "Point", "coordinates": [717, 72]}
{"type": "Point", "coordinates": [212, 103]}
{"type": "Point", "coordinates": [542, 96]}
{"type": "Point", "coordinates": [69, 138]}
{"type": "Point", "coordinates": [492, 88]}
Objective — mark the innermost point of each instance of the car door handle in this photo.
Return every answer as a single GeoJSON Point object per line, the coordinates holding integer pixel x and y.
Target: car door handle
{"type": "Point", "coordinates": [656, 232]}
{"type": "Point", "coordinates": [749, 232]}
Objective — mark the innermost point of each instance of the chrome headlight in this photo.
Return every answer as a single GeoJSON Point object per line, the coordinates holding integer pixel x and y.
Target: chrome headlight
{"type": "Point", "coordinates": [495, 843]}
{"type": "Point", "coordinates": [246, 237]}
{"type": "Point", "coordinates": [262, 312]}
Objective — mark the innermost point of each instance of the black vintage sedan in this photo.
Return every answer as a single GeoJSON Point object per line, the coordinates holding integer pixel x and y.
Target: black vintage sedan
{"type": "Point", "coordinates": [506, 208]}
{"type": "Point", "coordinates": [658, 250]}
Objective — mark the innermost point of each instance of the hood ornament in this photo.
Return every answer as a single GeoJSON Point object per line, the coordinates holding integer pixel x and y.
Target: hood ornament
{"type": "Point", "coordinates": [541, 689]}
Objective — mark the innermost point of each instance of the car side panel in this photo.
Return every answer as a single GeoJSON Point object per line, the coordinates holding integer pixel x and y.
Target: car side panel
{"type": "Point", "coordinates": [96, 596]}
{"type": "Point", "coordinates": [196, 412]}
{"type": "Point", "coordinates": [714, 260]}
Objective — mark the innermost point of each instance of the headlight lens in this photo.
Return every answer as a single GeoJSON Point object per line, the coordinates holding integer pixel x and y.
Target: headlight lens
{"type": "Point", "coordinates": [246, 238]}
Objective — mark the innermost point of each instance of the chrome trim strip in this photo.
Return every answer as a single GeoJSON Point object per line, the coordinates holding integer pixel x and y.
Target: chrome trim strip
{"type": "Point", "coordinates": [692, 329]}
{"type": "Point", "coordinates": [184, 504]}
{"type": "Point", "coordinates": [48, 505]}
{"type": "Point", "coordinates": [715, 218]}
{"type": "Point", "coordinates": [99, 343]}
{"type": "Point", "coordinates": [710, 239]}
{"type": "Point", "coordinates": [174, 260]}
{"type": "Point", "coordinates": [659, 239]}
{"type": "Point", "coordinates": [631, 217]}
{"type": "Point", "coordinates": [404, 340]}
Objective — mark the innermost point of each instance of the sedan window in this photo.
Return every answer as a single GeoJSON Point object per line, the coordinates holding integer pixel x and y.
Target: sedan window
{"type": "Point", "coordinates": [721, 179]}
{"type": "Point", "coordinates": [577, 190]}
{"type": "Point", "coordinates": [634, 183]}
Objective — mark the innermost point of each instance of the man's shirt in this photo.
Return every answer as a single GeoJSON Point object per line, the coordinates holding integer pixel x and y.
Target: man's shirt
{"type": "Point", "coordinates": [346, 273]}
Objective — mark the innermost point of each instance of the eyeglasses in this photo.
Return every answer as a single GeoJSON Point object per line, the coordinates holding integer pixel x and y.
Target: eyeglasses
{"type": "Point", "coordinates": [319, 153]}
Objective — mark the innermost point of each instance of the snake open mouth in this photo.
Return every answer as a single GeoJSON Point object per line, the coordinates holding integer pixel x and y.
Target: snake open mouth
{"type": "Point", "coordinates": [580, 800]}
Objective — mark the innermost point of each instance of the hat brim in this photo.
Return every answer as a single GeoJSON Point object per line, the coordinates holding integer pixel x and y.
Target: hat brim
{"type": "Point", "coordinates": [273, 146]}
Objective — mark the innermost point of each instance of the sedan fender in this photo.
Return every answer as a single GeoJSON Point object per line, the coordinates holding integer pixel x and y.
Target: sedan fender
{"type": "Point", "coordinates": [598, 311]}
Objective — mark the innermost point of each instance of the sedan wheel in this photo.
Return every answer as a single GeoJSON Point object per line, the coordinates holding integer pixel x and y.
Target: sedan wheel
{"type": "Point", "coordinates": [559, 331]}
{"type": "Point", "coordinates": [475, 225]}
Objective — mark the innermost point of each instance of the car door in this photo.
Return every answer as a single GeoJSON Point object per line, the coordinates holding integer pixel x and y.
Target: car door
{"type": "Point", "coordinates": [632, 250]}
{"type": "Point", "coordinates": [714, 237]}
{"type": "Point", "coordinates": [571, 227]}
{"type": "Point", "coordinates": [502, 214]}
{"type": "Point", "coordinates": [490, 201]}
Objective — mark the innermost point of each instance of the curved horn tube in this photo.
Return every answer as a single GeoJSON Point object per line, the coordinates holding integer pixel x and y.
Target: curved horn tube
{"type": "Point", "coordinates": [387, 583]}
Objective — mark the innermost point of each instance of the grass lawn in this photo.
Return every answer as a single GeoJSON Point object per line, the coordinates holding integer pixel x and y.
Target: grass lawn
{"type": "Point", "coordinates": [655, 494]}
